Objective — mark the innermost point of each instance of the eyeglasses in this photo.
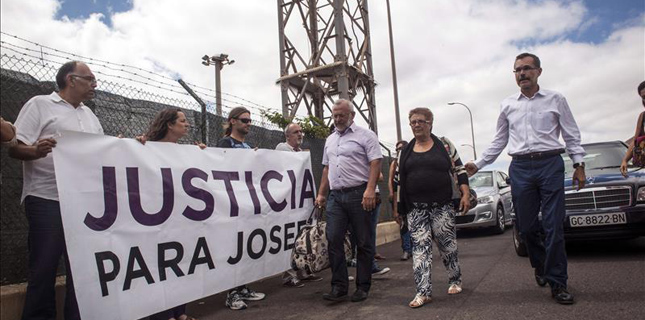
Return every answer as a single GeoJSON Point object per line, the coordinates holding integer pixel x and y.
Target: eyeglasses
{"type": "Point", "coordinates": [91, 79]}
{"type": "Point", "coordinates": [420, 122]}
{"type": "Point", "coordinates": [524, 68]}
{"type": "Point", "coordinates": [244, 120]}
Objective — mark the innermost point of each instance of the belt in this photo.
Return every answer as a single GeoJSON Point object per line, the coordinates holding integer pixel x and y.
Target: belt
{"type": "Point", "coordinates": [350, 189]}
{"type": "Point", "coordinates": [538, 155]}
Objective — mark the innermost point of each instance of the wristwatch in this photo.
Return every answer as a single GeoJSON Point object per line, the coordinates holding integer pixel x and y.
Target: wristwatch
{"type": "Point", "coordinates": [579, 164]}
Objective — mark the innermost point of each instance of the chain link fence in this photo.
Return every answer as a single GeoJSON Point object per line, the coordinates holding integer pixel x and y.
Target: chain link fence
{"type": "Point", "coordinates": [123, 106]}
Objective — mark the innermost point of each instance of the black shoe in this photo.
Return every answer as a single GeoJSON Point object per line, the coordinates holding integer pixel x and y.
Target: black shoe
{"type": "Point", "coordinates": [335, 295]}
{"type": "Point", "coordinates": [359, 295]}
{"type": "Point", "coordinates": [562, 296]}
{"type": "Point", "coordinates": [539, 279]}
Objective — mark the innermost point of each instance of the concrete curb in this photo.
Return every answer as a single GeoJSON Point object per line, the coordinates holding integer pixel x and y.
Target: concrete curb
{"type": "Point", "coordinates": [12, 297]}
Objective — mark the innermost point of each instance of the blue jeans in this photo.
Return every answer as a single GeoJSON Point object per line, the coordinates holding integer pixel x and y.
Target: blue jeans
{"type": "Point", "coordinates": [374, 222]}
{"type": "Point", "coordinates": [406, 242]}
{"type": "Point", "coordinates": [538, 185]}
{"type": "Point", "coordinates": [404, 231]}
{"type": "Point", "coordinates": [375, 214]}
{"type": "Point", "coordinates": [46, 246]}
{"type": "Point", "coordinates": [344, 209]}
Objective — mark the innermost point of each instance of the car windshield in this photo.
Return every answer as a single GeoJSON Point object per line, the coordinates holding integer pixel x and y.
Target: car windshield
{"type": "Point", "coordinates": [599, 156]}
{"type": "Point", "coordinates": [481, 179]}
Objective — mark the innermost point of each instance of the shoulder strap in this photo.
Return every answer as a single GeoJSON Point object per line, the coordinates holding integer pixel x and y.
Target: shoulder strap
{"type": "Point", "coordinates": [445, 152]}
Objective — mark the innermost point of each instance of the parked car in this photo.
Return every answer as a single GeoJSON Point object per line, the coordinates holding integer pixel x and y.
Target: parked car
{"type": "Point", "coordinates": [609, 206]}
{"type": "Point", "coordinates": [494, 205]}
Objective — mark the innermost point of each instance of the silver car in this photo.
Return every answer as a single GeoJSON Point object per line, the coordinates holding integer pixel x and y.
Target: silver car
{"type": "Point", "coordinates": [494, 202]}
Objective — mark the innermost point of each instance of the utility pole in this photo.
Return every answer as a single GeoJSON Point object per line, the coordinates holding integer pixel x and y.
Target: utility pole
{"type": "Point", "coordinates": [334, 62]}
{"type": "Point", "coordinates": [219, 62]}
{"type": "Point", "coordinates": [397, 114]}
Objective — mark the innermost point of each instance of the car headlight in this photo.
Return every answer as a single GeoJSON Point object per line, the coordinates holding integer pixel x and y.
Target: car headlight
{"type": "Point", "coordinates": [640, 195]}
{"type": "Point", "coordinates": [485, 199]}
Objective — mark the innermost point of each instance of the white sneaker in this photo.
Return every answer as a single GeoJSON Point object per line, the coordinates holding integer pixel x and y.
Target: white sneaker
{"type": "Point", "coordinates": [250, 295]}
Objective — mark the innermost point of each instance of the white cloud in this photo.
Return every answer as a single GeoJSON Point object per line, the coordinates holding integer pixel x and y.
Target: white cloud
{"type": "Point", "coordinates": [445, 51]}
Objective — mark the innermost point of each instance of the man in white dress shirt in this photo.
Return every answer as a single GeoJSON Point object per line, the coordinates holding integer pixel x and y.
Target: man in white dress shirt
{"type": "Point", "coordinates": [531, 122]}
{"type": "Point", "coordinates": [40, 120]}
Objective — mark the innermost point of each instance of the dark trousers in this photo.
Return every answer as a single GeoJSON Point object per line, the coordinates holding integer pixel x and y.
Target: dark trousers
{"type": "Point", "coordinates": [175, 313]}
{"type": "Point", "coordinates": [345, 209]}
{"type": "Point", "coordinates": [404, 231]}
{"type": "Point", "coordinates": [46, 246]}
{"type": "Point", "coordinates": [373, 225]}
{"type": "Point", "coordinates": [538, 185]}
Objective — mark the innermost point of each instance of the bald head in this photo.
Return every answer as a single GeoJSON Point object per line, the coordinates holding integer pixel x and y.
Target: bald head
{"type": "Point", "coordinates": [294, 135]}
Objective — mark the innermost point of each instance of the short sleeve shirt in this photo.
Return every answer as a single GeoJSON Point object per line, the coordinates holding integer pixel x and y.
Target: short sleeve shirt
{"type": "Point", "coordinates": [43, 117]}
{"type": "Point", "coordinates": [348, 156]}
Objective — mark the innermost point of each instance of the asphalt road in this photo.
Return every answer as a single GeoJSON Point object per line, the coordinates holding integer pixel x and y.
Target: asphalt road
{"type": "Point", "coordinates": [606, 277]}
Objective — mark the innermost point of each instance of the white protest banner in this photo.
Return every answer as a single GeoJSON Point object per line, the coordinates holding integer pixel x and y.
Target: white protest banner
{"type": "Point", "coordinates": [149, 227]}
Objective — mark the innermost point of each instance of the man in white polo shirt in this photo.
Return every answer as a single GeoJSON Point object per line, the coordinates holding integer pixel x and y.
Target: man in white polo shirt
{"type": "Point", "coordinates": [293, 141]}
{"type": "Point", "coordinates": [40, 120]}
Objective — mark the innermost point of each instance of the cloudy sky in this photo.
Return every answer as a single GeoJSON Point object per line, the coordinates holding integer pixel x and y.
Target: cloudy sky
{"type": "Point", "coordinates": [593, 51]}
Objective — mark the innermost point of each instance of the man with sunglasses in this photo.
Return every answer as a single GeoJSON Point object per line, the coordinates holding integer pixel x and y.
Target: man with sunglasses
{"type": "Point", "coordinates": [40, 120]}
{"type": "Point", "coordinates": [237, 126]}
{"type": "Point", "coordinates": [530, 122]}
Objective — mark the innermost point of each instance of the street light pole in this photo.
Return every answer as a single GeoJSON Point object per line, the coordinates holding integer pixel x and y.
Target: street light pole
{"type": "Point", "coordinates": [219, 62]}
{"type": "Point", "coordinates": [472, 128]}
{"type": "Point", "coordinates": [468, 145]}
{"type": "Point", "coordinates": [218, 87]}
{"type": "Point", "coordinates": [394, 85]}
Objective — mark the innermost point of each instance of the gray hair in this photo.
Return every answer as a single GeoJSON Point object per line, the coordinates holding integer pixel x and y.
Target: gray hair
{"type": "Point", "coordinates": [286, 129]}
{"type": "Point", "coordinates": [349, 103]}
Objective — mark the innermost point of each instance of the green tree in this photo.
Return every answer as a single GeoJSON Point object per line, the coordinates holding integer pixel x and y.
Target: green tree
{"type": "Point", "coordinates": [311, 126]}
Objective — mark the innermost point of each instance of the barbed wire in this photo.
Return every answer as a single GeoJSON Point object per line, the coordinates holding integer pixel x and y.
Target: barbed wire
{"type": "Point", "coordinates": [165, 88]}
{"type": "Point", "coordinates": [105, 63]}
{"type": "Point", "coordinates": [139, 76]}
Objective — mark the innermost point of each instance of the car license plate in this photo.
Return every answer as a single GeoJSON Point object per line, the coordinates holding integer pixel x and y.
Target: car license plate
{"type": "Point", "coordinates": [600, 219]}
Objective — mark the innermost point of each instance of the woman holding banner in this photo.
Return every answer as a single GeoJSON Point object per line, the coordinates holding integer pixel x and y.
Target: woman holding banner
{"type": "Point", "coordinates": [169, 125]}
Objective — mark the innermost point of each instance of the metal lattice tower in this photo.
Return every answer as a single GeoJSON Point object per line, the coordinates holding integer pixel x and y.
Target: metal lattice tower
{"type": "Point", "coordinates": [329, 58]}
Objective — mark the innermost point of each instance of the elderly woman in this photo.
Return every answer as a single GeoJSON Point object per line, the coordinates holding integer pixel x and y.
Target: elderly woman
{"type": "Point", "coordinates": [169, 125]}
{"type": "Point", "coordinates": [640, 131]}
{"type": "Point", "coordinates": [426, 186]}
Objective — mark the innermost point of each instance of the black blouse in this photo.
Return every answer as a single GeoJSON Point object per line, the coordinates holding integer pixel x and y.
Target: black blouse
{"type": "Point", "coordinates": [427, 178]}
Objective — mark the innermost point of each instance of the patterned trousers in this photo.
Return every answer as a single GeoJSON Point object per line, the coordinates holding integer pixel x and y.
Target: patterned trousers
{"type": "Point", "coordinates": [428, 222]}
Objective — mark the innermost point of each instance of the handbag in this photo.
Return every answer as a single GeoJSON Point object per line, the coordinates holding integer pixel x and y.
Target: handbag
{"type": "Point", "coordinates": [638, 153]}
{"type": "Point", "coordinates": [310, 251]}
